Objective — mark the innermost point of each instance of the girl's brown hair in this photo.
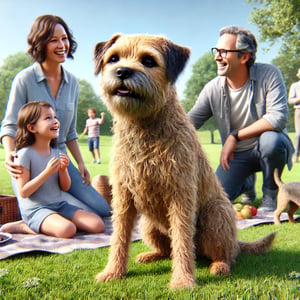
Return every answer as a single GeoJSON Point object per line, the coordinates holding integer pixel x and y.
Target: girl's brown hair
{"type": "Point", "coordinates": [41, 33]}
{"type": "Point", "coordinates": [29, 114]}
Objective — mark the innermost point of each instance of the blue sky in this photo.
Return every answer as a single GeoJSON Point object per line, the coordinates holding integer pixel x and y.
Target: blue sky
{"type": "Point", "coordinates": [192, 23]}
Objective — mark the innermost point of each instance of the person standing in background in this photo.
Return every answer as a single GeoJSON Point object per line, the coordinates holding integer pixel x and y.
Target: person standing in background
{"type": "Point", "coordinates": [92, 126]}
{"type": "Point", "coordinates": [294, 99]}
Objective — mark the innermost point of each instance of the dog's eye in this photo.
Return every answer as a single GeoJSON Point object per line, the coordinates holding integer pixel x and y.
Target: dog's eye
{"type": "Point", "coordinates": [114, 58]}
{"type": "Point", "coordinates": [149, 62]}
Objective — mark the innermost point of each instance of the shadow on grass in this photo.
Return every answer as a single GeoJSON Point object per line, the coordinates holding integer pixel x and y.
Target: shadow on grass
{"type": "Point", "coordinates": [273, 263]}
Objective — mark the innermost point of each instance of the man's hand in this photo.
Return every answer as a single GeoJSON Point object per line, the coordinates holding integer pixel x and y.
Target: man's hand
{"type": "Point", "coordinates": [227, 151]}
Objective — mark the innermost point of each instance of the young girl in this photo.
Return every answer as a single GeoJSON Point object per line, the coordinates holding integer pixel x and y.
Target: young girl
{"type": "Point", "coordinates": [45, 179]}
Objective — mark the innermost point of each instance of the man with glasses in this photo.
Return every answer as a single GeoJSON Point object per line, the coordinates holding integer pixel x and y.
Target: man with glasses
{"type": "Point", "coordinates": [249, 104]}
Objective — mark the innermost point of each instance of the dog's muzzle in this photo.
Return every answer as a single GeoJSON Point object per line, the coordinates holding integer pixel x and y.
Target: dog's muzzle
{"type": "Point", "coordinates": [124, 73]}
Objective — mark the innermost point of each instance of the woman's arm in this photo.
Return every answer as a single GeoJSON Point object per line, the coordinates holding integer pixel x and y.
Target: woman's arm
{"type": "Point", "coordinates": [13, 169]}
{"type": "Point", "coordinates": [75, 151]}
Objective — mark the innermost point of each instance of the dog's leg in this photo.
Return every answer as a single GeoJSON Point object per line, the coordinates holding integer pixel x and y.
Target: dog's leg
{"type": "Point", "coordinates": [123, 221]}
{"type": "Point", "coordinates": [155, 239]}
{"type": "Point", "coordinates": [182, 230]}
{"type": "Point", "coordinates": [291, 211]}
{"type": "Point", "coordinates": [282, 203]}
{"type": "Point", "coordinates": [216, 239]}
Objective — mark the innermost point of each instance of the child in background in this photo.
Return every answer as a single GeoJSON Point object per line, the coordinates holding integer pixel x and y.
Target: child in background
{"type": "Point", "coordinates": [92, 126]}
{"type": "Point", "coordinates": [45, 179]}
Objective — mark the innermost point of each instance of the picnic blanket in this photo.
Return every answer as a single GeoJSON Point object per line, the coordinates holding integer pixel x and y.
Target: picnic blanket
{"type": "Point", "coordinates": [23, 243]}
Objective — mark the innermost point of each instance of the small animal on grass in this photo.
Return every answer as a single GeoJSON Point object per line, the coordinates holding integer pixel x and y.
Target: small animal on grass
{"type": "Point", "coordinates": [288, 193]}
{"type": "Point", "coordinates": [158, 167]}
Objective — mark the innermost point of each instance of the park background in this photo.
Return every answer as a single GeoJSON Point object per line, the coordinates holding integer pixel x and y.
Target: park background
{"type": "Point", "coordinates": [275, 275]}
{"type": "Point", "coordinates": [191, 23]}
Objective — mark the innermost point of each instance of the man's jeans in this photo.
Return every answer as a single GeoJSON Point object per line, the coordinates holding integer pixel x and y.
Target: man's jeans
{"type": "Point", "coordinates": [273, 150]}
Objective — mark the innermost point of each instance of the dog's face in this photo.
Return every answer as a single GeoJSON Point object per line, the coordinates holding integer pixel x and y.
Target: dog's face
{"type": "Point", "coordinates": [138, 72]}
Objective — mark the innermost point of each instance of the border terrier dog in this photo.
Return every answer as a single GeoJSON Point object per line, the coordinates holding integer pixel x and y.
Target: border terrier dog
{"type": "Point", "coordinates": [158, 168]}
{"type": "Point", "coordinates": [288, 193]}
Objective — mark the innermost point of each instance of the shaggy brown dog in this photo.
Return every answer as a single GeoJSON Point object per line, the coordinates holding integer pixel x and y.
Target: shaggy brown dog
{"type": "Point", "coordinates": [288, 193]}
{"type": "Point", "coordinates": [159, 169]}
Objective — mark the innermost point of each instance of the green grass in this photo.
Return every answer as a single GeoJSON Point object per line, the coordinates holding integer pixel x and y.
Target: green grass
{"type": "Point", "coordinates": [274, 275]}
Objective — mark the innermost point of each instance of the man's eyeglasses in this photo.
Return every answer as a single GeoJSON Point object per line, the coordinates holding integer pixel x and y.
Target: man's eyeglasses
{"type": "Point", "coordinates": [223, 52]}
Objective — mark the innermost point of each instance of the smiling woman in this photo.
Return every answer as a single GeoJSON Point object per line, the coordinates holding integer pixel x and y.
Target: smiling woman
{"type": "Point", "coordinates": [50, 44]}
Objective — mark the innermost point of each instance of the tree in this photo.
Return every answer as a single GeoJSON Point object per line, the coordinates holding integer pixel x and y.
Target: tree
{"type": "Point", "coordinates": [278, 19]}
{"type": "Point", "coordinates": [10, 67]}
{"type": "Point", "coordinates": [289, 64]}
{"type": "Point", "coordinates": [87, 98]}
{"type": "Point", "coordinates": [204, 70]}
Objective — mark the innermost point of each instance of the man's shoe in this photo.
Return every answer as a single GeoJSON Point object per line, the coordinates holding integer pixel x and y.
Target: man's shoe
{"type": "Point", "coordinates": [268, 204]}
{"type": "Point", "coordinates": [249, 196]}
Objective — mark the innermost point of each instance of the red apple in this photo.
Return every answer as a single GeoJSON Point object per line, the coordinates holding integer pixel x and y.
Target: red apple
{"type": "Point", "coordinates": [253, 210]}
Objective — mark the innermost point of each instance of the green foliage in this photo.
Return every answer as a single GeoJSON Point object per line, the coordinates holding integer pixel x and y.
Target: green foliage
{"type": "Point", "coordinates": [8, 70]}
{"type": "Point", "coordinates": [278, 19]}
{"type": "Point", "coordinates": [87, 98]}
{"type": "Point", "coordinates": [289, 64]}
{"type": "Point", "coordinates": [203, 71]}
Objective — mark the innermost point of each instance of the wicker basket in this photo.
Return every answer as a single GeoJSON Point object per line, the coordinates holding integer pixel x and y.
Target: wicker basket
{"type": "Point", "coordinates": [9, 211]}
{"type": "Point", "coordinates": [102, 186]}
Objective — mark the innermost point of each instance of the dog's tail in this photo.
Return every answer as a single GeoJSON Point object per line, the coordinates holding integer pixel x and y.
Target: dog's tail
{"type": "Point", "coordinates": [277, 178]}
{"type": "Point", "coordinates": [260, 246]}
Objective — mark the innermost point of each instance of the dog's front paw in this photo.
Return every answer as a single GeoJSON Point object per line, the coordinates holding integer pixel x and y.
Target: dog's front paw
{"type": "Point", "coordinates": [107, 276]}
{"type": "Point", "coordinates": [180, 283]}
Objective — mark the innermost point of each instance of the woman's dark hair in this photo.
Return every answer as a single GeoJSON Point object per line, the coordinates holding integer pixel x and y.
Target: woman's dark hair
{"type": "Point", "coordinates": [41, 33]}
{"type": "Point", "coordinates": [29, 114]}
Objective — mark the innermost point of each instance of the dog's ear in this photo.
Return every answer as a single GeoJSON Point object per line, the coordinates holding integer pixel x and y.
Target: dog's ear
{"type": "Point", "coordinates": [176, 57]}
{"type": "Point", "coordinates": [100, 50]}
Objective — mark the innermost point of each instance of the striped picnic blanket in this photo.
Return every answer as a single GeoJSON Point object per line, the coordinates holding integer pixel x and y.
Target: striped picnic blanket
{"type": "Point", "coordinates": [22, 243]}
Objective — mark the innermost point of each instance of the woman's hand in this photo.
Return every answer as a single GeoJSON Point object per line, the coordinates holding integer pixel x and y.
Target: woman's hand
{"type": "Point", "coordinates": [84, 173]}
{"type": "Point", "coordinates": [14, 169]}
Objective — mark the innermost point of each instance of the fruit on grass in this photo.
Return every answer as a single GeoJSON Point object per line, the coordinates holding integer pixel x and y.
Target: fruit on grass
{"type": "Point", "coordinates": [239, 215]}
{"type": "Point", "coordinates": [253, 210]}
{"type": "Point", "coordinates": [246, 212]}
{"type": "Point", "coordinates": [238, 206]}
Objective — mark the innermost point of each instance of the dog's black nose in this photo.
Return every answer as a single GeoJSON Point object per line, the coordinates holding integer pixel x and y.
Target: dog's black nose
{"type": "Point", "coordinates": [124, 73]}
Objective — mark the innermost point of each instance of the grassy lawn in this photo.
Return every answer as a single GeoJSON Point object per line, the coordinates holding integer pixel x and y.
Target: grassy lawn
{"type": "Point", "coordinates": [274, 275]}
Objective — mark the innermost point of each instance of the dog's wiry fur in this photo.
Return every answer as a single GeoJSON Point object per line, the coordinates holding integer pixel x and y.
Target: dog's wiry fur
{"type": "Point", "coordinates": [288, 193]}
{"type": "Point", "coordinates": [159, 169]}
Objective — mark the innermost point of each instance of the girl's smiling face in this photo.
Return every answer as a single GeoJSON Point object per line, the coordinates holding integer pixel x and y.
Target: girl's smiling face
{"type": "Point", "coordinates": [47, 125]}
